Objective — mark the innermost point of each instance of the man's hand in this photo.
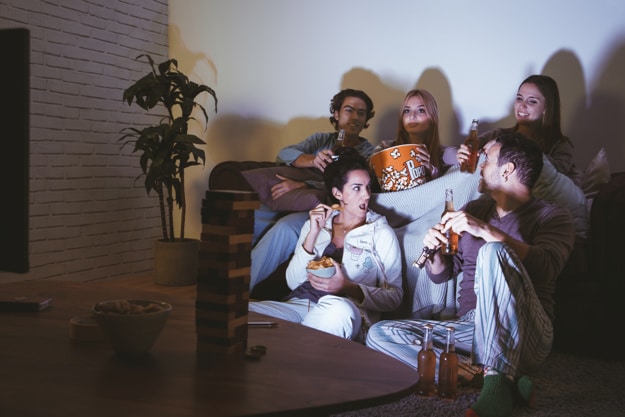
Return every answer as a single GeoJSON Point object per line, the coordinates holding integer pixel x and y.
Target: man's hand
{"type": "Point", "coordinates": [285, 186]}
{"type": "Point", "coordinates": [461, 222]}
{"type": "Point", "coordinates": [319, 161]}
{"type": "Point", "coordinates": [322, 159]}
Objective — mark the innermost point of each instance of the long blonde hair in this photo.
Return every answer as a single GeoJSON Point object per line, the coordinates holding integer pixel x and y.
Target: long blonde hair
{"type": "Point", "coordinates": [432, 140]}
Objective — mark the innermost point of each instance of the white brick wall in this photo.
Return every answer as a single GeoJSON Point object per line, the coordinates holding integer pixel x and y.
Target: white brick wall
{"type": "Point", "coordinates": [89, 218]}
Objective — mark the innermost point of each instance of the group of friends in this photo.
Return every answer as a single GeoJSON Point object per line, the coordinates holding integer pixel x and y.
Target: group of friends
{"type": "Point", "coordinates": [512, 246]}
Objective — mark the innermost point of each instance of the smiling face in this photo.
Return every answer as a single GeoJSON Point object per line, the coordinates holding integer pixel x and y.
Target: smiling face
{"type": "Point", "coordinates": [490, 170]}
{"type": "Point", "coordinates": [356, 192]}
{"type": "Point", "coordinates": [529, 106]}
{"type": "Point", "coordinates": [352, 116]}
{"type": "Point", "coordinates": [416, 119]}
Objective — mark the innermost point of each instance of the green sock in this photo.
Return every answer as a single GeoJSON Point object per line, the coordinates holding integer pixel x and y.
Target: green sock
{"type": "Point", "coordinates": [525, 386]}
{"type": "Point", "coordinates": [495, 399]}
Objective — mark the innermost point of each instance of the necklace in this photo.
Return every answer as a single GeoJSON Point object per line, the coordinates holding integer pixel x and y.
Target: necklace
{"type": "Point", "coordinates": [348, 228]}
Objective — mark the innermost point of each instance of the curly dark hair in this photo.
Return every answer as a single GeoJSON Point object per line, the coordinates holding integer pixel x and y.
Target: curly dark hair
{"type": "Point", "coordinates": [335, 174]}
{"type": "Point", "coordinates": [339, 98]}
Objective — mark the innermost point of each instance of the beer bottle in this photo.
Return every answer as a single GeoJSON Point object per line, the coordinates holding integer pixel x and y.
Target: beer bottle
{"type": "Point", "coordinates": [450, 248]}
{"type": "Point", "coordinates": [448, 367]}
{"type": "Point", "coordinates": [425, 255]}
{"type": "Point", "coordinates": [426, 363]}
{"type": "Point", "coordinates": [340, 142]}
{"type": "Point", "coordinates": [472, 142]}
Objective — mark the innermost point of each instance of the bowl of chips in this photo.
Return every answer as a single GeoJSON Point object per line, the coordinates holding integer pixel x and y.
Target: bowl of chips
{"type": "Point", "coordinates": [131, 326]}
{"type": "Point", "coordinates": [323, 268]}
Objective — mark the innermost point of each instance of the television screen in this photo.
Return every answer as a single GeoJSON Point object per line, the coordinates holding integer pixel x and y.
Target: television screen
{"type": "Point", "coordinates": [14, 166]}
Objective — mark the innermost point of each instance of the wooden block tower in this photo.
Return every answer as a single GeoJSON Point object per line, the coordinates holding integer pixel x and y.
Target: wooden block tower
{"type": "Point", "coordinates": [223, 285]}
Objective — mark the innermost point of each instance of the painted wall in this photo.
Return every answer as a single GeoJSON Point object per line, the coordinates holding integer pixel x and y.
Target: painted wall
{"type": "Point", "coordinates": [89, 218]}
{"type": "Point", "coordinates": [275, 64]}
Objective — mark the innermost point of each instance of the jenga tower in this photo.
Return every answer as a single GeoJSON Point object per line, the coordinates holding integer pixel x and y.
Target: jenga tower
{"type": "Point", "coordinates": [223, 285]}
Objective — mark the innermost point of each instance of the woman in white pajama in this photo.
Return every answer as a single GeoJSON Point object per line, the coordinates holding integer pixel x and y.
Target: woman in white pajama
{"type": "Point", "coordinates": [363, 248]}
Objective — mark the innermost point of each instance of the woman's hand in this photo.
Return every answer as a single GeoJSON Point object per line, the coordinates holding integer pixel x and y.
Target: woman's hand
{"type": "Point", "coordinates": [338, 284]}
{"type": "Point", "coordinates": [462, 154]}
{"type": "Point", "coordinates": [332, 285]}
{"type": "Point", "coordinates": [423, 156]}
{"type": "Point", "coordinates": [318, 217]}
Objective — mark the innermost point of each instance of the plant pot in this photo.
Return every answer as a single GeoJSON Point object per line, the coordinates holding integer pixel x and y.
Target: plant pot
{"type": "Point", "coordinates": [176, 263]}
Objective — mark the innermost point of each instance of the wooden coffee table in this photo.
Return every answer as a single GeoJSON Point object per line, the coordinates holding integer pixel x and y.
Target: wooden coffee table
{"type": "Point", "coordinates": [304, 372]}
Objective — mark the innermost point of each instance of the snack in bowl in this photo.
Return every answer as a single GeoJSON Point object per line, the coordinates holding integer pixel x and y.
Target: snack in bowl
{"type": "Point", "coordinates": [131, 326]}
{"type": "Point", "coordinates": [323, 268]}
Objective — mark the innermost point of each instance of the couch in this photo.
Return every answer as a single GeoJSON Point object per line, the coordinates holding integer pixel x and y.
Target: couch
{"type": "Point", "coordinates": [589, 290]}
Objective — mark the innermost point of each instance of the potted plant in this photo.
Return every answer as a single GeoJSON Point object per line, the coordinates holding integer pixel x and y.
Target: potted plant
{"type": "Point", "coordinates": [166, 151]}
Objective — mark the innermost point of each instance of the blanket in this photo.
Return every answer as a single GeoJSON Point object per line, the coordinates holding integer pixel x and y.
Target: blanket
{"type": "Point", "coordinates": [412, 213]}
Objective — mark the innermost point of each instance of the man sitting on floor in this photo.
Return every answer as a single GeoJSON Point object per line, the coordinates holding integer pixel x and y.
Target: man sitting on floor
{"type": "Point", "coordinates": [512, 249]}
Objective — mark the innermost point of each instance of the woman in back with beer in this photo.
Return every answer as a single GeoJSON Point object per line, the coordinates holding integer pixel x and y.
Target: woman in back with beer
{"type": "Point", "coordinates": [537, 115]}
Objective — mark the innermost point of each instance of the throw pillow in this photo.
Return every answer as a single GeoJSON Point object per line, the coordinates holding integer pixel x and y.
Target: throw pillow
{"type": "Point", "coordinates": [596, 174]}
{"type": "Point", "coordinates": [262, 179]}
{"type": "Point", "coordinates": [560, 189]}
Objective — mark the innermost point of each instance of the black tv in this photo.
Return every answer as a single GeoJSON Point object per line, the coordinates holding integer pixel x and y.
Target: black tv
{"type": "Point", "coordinates": [14, 162]}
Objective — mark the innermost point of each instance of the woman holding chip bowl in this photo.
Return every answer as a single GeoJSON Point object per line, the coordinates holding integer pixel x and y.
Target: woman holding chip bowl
{"type": "Point", "coordinates": [360, 245]}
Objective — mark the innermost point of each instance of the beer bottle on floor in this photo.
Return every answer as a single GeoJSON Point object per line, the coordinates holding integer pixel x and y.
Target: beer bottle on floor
{"type": "Point", "coordinates": [448, 367]}
{"type": "Point", "coordinates": [426, 363]}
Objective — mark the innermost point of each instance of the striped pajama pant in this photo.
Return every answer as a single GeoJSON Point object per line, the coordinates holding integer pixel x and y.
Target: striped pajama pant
{"type": "Point", "coordinates": [508, 331]}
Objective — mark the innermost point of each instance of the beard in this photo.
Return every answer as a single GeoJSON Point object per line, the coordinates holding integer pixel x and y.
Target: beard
{"type": "Point", "coordinates": [481, 187]}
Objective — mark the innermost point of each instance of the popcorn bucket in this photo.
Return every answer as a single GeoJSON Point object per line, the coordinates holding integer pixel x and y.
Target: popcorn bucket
{"type": "Point", "coordinates": [397, 168]}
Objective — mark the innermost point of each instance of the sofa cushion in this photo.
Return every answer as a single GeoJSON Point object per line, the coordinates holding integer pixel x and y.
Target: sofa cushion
{"type": "Point", "coordinates": [262, 179]}
{"type": "Point", "coordinates": [558, 188]}
{"type": "Point", "coordinates": [596, 174]}
{"type": "Point", "coordinates": [228, 175]}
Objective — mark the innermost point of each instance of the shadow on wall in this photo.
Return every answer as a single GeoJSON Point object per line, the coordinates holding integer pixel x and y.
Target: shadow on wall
{"type": "Point", "coordinates": [598, 121]}
{"type": "Point", "coordinates": [386, 102]}
{"type": "Point", "coordinates": [435, 81]}
{"type": "Point", "coordinates": [591, 120]}
{"type": "Point", "coordinates": [233, 137]}
{"type": "Point", "coordinates": [591, 115]}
